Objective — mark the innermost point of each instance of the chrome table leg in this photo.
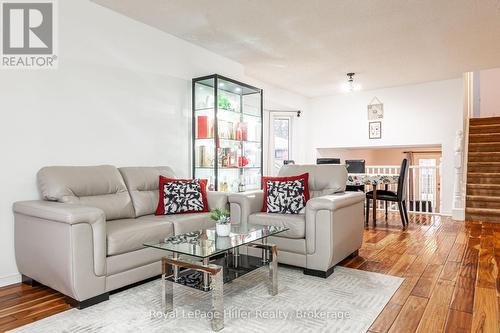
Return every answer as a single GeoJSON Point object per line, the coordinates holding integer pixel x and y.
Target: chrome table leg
{"type": "Point", "coordinates": [217, 286]}
{"type": "Point", "coordinates": [236, 257]}
{"type": "Point", "coordinates": [167, 288]}
{"type": "Point", "coordinates": [272, 255]}
{"type": "Point", "coordinates": [214, 272]}
{"type": "Point", "coordinates": [273, 270]}
{"type": "Point", "coordinates": [206, 276]}
{"type": "Point", "coordinates": [176, 268]}
{"type": "Point", "coordinates": [265, 251]}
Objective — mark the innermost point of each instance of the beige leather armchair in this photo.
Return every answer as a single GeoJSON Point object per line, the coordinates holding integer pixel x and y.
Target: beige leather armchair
{"type": "Point", "coordinates": [330, 228]}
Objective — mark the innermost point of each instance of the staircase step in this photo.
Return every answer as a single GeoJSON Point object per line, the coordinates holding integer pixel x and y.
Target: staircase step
{"type": "Point", "coordinates": [484, 156]}
{"type": "Point", "coordinates": [484, 137]}
{"type": "Point", "coordinates": [483, 178]}
{"type": "Point", "coordinates": [490, 128]}
{"type": "Point", "coordinates": [490, 167]}
{"type": "Point", "coordinates": [484, 121]}
{"type": "Point", "coordinates": [481, 217]}
{"type": "Point", "coordinates": [483, 214]}
{"type": "Point", "coordinates": [478, 201]}
{"type": "Point", "coordinates": [490, 190]}
{"type": "Point", "coordinates": [484, 147]}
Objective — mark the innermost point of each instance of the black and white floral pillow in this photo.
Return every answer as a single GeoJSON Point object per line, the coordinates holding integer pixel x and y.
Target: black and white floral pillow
{"type": "Point", "coordinates": [285, 195]}
{"type": "Point", "coordinates": [179, 196]}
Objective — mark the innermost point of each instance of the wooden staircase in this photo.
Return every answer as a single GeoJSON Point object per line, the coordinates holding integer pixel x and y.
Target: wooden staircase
{"type": "Point", "coordinates": [483, 170]}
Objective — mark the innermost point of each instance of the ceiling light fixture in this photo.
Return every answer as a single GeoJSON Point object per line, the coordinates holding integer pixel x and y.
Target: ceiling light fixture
{"type": "Point", "coordinates": [350, 86]}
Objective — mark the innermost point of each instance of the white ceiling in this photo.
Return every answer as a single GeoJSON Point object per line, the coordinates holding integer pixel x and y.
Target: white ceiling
{"type": "Point", "coordinates": [308, 46]}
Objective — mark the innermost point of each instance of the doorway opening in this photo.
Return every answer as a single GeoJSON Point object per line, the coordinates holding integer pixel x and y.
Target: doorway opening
{"type": "Point", "coordinates": [424, 176]}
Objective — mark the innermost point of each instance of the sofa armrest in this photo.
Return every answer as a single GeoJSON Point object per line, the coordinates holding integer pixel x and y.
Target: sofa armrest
{"type": "Point", "coordinates": [334, 228]}
{"type": "Point", "coordinates": [245, 203]}
{"type": "Point", "coordinates": [59, 212]}
{"type": "Point", "coordinates": [217, 199]}
{"type": "Point", "coordinates": [334, 201]}
{"type": "Point", "coordinates": [62, 246]}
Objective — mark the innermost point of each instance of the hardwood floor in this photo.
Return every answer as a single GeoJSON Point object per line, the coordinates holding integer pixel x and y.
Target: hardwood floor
{"type": "Point", "coordinates": [450, 268]}
{"type": "Point", "coordinates": [22, 304]}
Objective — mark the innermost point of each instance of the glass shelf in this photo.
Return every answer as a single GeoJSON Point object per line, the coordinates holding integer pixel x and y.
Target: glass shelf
{"type": "Point", "coordinates": [230, 168]}
{"type": "Point", "coordinates": [228, 111]}
{"type": "Point", "coordinates": [227, 133]}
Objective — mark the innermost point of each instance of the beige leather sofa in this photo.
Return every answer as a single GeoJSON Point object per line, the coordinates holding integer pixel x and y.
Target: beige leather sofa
{"type": "Point", "coordinates": [85, 238]}
{"type": "Point", "coordinates": [329, 230]}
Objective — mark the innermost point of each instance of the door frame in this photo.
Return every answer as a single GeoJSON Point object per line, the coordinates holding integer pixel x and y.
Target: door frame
{"type": "Point", "coordinates": [270, 131]}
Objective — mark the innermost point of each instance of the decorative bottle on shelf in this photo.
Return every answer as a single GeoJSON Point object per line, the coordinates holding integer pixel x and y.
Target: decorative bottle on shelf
{"type": "Point", "coordinates": [241, 185]}
{"type": "Point", "coordinates": [211, 186]}
{"type": "Point", "coordinates": [224, 186]}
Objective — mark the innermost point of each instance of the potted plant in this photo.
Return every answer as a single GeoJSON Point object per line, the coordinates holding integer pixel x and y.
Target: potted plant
{"type": "Point", "coordinates": [222, 220]}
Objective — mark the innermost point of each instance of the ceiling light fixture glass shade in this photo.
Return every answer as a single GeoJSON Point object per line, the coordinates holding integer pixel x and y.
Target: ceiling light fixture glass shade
{"type": "Point", "coordinates": [350, 86]}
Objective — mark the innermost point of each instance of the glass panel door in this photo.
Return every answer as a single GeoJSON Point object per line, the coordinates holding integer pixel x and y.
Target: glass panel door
{"type": "Point", "coordinates": [280, 135]}
{"type": "Point", "coordinates": [204, 131]}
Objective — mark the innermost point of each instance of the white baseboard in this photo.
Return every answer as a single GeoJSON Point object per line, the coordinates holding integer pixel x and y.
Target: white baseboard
{"type": "Point", "coordinates": [10, 279]}
{"type": "Point", "coordinates": [458, 214]}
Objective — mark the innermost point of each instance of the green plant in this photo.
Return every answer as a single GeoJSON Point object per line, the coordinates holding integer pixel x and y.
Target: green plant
{"type": "Point", "coordinates": [221, 216]}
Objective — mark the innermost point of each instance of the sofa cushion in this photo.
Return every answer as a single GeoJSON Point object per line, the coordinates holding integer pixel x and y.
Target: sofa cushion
{"type": "Point", "coordinates": [142, 183]}
{"type": "Point", "coordinates": [95, 186]}
{"type": "Point", "coordinates": [130, 234]}
{"type": "Point", "coordinates": [184, 223]}
{"type": "Point", "coordinates": [323, 179]}
{"type": "Point", "coordinates": [295, 222]}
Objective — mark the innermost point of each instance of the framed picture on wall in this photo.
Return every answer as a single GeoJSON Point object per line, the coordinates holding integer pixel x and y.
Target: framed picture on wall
{"type": "Point", "coordinates": [375, 111]}
{"type": "Point", "coordinates": [375, 130]}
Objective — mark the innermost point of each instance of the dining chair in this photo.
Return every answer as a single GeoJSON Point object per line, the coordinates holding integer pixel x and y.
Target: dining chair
{"type": "Point", "coordinates": [391, 196]}
{"type": "Point", "coordinates": [355, 166]}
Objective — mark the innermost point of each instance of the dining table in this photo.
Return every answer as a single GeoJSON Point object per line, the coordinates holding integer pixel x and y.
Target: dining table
{"type": "Point", "coordinates": [374, 180]}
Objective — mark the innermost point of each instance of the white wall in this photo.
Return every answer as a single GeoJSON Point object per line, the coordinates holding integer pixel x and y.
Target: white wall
{"type": "Point", "coordinates": [489, 87]}
{"type": "Point", "coordinates": [424, 114]}
{"type": "Point", "coordinates": [120, 96]}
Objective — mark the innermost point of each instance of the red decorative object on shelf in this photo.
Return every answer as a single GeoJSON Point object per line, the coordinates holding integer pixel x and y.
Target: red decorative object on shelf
{"type": "Point", "coordinates": [202, 127]}
{"type": "Point", "coordinates": [243, 128]}
{"type": "Point", "coordinates": [243, 161]}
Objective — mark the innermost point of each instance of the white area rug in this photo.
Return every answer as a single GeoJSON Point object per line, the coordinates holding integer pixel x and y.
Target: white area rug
{"type": "Point", "coordinates": [348, 301]}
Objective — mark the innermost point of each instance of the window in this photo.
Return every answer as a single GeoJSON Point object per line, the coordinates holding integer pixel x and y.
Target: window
{"type": "Point", "coordinates": [280, 141]}
{"type": "Point", "coordinates": [427, 179]}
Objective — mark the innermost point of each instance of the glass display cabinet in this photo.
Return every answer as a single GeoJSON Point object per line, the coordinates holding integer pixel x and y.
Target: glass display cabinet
{"type": "Point", "coordinates": [227, 133]}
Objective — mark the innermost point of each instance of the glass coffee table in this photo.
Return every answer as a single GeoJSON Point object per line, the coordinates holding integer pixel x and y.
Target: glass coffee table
{"type": "Point", "coordinates": [208, 261]}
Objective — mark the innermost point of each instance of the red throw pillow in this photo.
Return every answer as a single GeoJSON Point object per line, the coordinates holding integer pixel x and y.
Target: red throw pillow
{"type": "Point", "coordinates": [182, 196]}
{"type": "Point", "coordinates": [285, 195]}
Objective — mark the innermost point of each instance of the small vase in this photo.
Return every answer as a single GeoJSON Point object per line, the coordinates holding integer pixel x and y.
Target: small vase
{"type": "Point", "coordinates": [223, 230]}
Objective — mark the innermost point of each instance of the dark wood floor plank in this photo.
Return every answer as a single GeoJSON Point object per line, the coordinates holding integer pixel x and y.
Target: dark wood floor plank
{"type": "Point", "coordinates": [434, 317]}
{"type": "Point", "coordinates": [463, 297]}
{"type": "Point", "coordinates": [427, 281]}
{"type": "Point", "coordinates": [450, 271]}
{"type": "Point", "coordinates": [485, 316]}
{"type": "Point", "coordinates": [458, 322]}
{"type": "Point", "coordinates": [409, 316]}
{"type": "Point", "coordinates": [386, 318]}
